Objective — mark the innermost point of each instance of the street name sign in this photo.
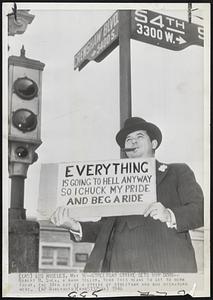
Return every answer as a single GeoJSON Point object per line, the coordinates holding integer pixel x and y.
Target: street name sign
{"type": "Point", "coordinates": [165, 31]}
{"type": "Point", "coordinates": [146, 26]}
{"type": "Point", "coordinates": [100, 44]}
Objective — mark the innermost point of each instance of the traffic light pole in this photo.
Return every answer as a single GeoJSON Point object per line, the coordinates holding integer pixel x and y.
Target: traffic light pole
{"type": "Point", "coordinates": [23, 234]}
{"type": "Point", "coordinates": [17, 210]}
{"type": "Point", "coordinates": [125, 67]}
{"type": "Point", "coordinates": [17, 174]}
{"type": "Point", "coordinates": [24, 138]}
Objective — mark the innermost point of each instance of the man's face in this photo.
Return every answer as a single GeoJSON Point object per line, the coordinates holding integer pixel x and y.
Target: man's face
{"type": "Point", "coordinates": [141, 142]}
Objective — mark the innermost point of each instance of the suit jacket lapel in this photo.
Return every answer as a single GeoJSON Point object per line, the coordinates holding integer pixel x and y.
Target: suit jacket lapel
{"type": "Point", "coordinates": [161, 171]}
{"type": "Point", "coordinates": [95, 261]}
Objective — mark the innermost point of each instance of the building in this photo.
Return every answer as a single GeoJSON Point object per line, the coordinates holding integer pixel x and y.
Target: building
{"type": "Point", "coordinates": [58, 253]}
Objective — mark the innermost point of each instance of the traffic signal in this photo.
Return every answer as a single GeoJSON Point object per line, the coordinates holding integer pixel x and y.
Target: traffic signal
{"type": "Point", "coordinates": [25, 83]}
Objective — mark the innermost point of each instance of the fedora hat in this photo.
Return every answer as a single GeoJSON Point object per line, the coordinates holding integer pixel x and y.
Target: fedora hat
{"type": "Point", "coordinates": [134, 124]}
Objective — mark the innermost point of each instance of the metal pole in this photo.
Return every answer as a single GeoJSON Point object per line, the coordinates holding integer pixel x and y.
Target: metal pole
{"type": "Point", "coordinates": [23, 246]}
{"type": "Point", "coordinates": [23, 234]}
{"type": "Point", "coordinates": [125, 66]}
{"type": "Point", "coordinates": [17, 210]}
{"type": "Point", "coordinates": [17, 192]}
{"type": "Point", "coordinates": [190, 12]}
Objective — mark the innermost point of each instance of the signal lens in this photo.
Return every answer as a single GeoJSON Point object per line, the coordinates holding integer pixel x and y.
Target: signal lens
{"type": "Point", "coordinates": [25, 88]}
{"type": "Point", "coordinates": [22, 152]}
{"type": "Point", "coordinates": [24, 120]}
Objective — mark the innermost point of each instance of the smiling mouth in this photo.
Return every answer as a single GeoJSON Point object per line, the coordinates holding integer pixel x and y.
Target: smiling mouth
{"type": "Point", "coordinates": [130, 149]}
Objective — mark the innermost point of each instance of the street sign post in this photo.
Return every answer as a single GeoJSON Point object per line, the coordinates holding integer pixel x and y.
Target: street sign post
{"type": "Point", "coordinates": [164, 31]}
{"type": "Point", "coordinates": [142, 25]}
{"type": "Point", "coordinates": [125, 67]}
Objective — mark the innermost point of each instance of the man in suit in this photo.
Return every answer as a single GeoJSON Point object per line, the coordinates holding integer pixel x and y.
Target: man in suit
{"type": "Point", "coordinates": [157, 241]}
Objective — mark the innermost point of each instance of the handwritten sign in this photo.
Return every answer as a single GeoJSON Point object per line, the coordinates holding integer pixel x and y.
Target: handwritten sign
{"type": "Point", "coordinates": [109, 188]}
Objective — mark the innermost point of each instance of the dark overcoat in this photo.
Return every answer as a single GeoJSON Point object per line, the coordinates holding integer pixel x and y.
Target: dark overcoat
{"type": "Point", "coordinates": [146, 245]}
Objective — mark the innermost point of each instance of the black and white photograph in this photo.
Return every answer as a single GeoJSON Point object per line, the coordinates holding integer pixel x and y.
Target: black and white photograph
{"type": "Point", "coordinates": [106, 149]}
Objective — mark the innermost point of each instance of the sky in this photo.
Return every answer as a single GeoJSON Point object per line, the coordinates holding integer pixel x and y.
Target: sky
{"type": "Point", "coordinates": [80, 110]}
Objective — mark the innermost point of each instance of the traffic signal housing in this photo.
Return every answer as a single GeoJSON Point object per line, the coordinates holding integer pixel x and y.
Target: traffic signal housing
{"type": "Point", "coordinates": [25, 94]}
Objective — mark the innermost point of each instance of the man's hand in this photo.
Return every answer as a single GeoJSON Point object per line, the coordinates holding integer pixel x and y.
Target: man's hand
{"type": "Point", "coordinates": [158, 212]}
{"type": "Point", "coordinates": [62, 218]}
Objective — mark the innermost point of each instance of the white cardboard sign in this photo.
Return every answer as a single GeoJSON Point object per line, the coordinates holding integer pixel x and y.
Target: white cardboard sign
{"type": "Point", "coordinates": [107, 188]}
